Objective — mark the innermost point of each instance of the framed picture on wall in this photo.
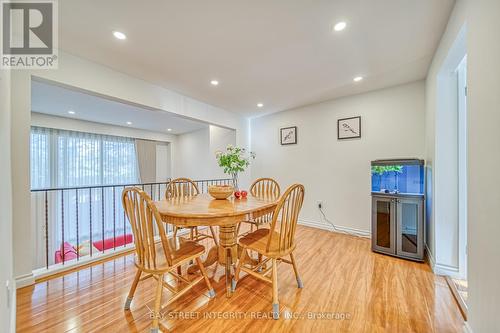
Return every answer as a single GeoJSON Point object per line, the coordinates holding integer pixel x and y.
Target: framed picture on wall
{"type": "Point", "coordinates": [288, 135]}
{"type": "Point", "coordinates": [349, 128]}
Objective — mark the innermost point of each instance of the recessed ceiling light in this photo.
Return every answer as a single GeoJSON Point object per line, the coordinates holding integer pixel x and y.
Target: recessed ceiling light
{"type": "Point", "coordinates": [119, 35]}
{"type": "Point", "coordinates": [357, 78]}
{"type": "Point", "coordinates": [214, 82]}
{"type": "Point", "coordinates": [71, 112]}
{"type": "Point", "coordinates": [340, 26]}
{"type": "Point", "coordinates": [259, 105]}
{"type": "Point", "coordinates": [129, 123]}
{"type": "Point", "coordinates": [169, 129]}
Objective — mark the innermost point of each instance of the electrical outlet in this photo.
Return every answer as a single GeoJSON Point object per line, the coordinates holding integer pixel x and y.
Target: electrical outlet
{"type": "Point", "coordinates": [320, 204]}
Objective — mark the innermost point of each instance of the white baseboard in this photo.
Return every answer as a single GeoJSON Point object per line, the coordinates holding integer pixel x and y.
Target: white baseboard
{"type": "Point", "coordinates": [441, 269]}
{"type": "Point", "coordinates": [24, 280]}
{"type": "Point", "coordinates": [342, 229]}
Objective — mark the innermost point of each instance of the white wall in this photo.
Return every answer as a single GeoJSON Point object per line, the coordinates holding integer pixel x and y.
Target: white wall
{"type": "Point", "coordinates": [7, 295]}
{"type": "Point", "coordinates": [195, 152]}
{"type": "Point", "coordinates": [220, 138]}
{"type": "Point", "coordinates": [338, 172]}
{"type": "Point", "coordinates": [483, 75]}
{"type": "Point", "coordinates": [100, 80]}
{"type": "Point", "coordinates": [20, 143]}
{"type": "Point", "coordinates": [192, 154]}
{"type": "Point", "coordinates": [441, 155]}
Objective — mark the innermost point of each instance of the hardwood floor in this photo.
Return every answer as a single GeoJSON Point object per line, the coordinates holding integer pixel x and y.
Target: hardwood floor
{"type": "Point", "coordinates": [346, 286]}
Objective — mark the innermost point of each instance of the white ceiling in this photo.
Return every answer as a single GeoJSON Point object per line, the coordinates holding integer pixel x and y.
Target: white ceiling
{"type": "Point", "coordinates": [282, 53]}
{"type": "Point", "coordinates": [57, 101]}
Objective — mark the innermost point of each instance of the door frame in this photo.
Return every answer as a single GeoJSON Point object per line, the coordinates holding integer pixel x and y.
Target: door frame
{"type": "Point", "coordinates": [461, 72]}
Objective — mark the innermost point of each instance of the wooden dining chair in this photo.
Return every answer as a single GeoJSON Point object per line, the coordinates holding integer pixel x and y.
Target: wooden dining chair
{"type": "Point", "coordinates": [185, 187]}
{"type": "Point", "coordinates": [262, 187]}
{"type": "Point", "coordinates": [274, 243]}
{"type": "Point", "coordinates": [158, 258]}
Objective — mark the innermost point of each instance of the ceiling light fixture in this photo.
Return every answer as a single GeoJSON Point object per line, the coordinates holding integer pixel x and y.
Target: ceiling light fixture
{"type": "Point", "coordinates": [71, 112]}
{"type": "Point", "coordinates": [119, 35]}
{"type": "Point", "coordinates": [169, 129]}
{"type": "Point", "coordinates": [339, 26]}
{"type": "Point", "coordinates": [358, 78]}
{"type": "Point", "coordinates": [129, 123]}
{"type": "Point", "coordinates": [259, 105]}
{"type": "Point", "coordinates": [214, 82]}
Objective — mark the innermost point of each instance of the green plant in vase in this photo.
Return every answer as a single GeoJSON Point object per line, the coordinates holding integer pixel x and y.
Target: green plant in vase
{"type": "Point", "coordinates": [233, 161]}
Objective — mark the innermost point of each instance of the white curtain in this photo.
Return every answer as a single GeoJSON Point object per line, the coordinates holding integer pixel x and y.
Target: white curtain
{"type": "Point", "coordinates": [62, 159]}
{"type": "Point", "coordinates": [146, 158]}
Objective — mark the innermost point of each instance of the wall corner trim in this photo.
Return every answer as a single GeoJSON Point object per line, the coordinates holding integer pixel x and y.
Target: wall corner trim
{"type": "Point", "coordinates": [25, 280]}
{"type": "Point", "coordinates": [467, 328]}
{"type": "Point", "coordinates": [430, 255]}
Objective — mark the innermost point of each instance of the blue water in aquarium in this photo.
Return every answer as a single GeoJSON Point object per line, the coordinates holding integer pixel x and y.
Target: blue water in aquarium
{"type": "Point", "coordinates": [410, 180]}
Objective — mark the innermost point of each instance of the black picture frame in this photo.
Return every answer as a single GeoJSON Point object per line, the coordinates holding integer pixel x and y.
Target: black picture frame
{"type": "Point", "coordinates": [355, 135]}
{"type": "Point", "coordinates": [294, 141]}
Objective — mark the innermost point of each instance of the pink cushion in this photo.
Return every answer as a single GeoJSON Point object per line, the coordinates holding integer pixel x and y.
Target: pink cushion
{"type": "Point", "coordinates": [69, 253]}
{"type": "Point", "coordinates": [109, 244]}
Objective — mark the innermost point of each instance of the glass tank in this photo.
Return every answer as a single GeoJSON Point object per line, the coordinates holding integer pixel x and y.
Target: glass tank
{"type": "Point", "coordinates": [401, 176]}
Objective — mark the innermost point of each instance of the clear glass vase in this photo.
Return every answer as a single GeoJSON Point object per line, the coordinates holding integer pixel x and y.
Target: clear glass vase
{"type": "Point", "coordinates": [235, 181]}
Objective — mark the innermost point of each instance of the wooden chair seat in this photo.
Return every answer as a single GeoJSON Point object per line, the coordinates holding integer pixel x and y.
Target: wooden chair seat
{"type": "Point", "coordinates": [257, 241]}
{"type": "Point", "coordinates": [182, 250]}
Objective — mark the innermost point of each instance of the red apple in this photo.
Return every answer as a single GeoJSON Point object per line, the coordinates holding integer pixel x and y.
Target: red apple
{"type": "Point", "coordinates": [237, 194]}
{"type": "Point", "coordinates": [244, 194]}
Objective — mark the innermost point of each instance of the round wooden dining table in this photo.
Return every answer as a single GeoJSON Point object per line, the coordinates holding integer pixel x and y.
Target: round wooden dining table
{"type": "Point", "coordinates": [203, 210]}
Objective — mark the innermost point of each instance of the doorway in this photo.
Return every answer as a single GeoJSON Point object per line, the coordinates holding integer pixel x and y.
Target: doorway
{"type": "Point", "coordinates": [450, 171]}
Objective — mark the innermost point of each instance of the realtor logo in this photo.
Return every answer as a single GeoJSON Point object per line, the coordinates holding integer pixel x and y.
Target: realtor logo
{"type": "Point", "coordinates": [29, 34]}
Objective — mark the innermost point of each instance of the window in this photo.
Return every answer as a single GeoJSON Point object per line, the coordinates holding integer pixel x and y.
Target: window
{"type": "Point", "coordinates": [70, 159]}
{"type": "Point", "coordinates": [77, 161]}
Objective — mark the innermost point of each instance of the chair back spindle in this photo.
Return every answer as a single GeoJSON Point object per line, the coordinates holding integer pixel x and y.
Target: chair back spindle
{"type": "Point", "coordinates": [181, 187]}
{"type": "Point", "coordinates": [144, 217]}
{"type": "Point", "coordinates": [265, 187]}
{"type": "Point", "coordinates": [285, 217]}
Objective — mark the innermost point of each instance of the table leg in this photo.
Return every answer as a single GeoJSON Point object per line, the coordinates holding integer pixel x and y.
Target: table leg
{"type": "Point", "coordinates": [219, 254]}
{"type": "Point", "coordinates": [228, 253]}
{"type": "Point", "coordinates": [211, 259]}
{"type": "Point", "coordinates": [228, 273]}
{"type": "Point", "coordinates": [248, 259]}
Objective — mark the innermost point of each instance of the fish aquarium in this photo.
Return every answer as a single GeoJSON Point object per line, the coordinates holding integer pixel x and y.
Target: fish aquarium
{"type": "Point", "coordinates": [398, 176]}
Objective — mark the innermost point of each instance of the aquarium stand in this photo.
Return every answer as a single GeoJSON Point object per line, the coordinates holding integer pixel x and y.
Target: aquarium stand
{"type": "Point", "coordinates": [397, 225]}
{"type": "Point", "coordinates": [398, 213]}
